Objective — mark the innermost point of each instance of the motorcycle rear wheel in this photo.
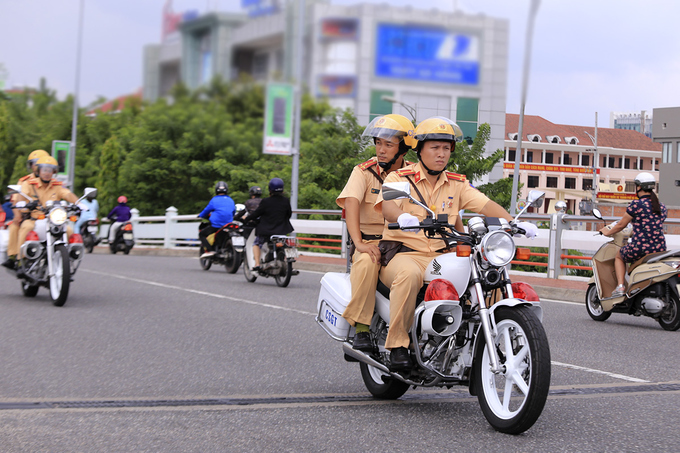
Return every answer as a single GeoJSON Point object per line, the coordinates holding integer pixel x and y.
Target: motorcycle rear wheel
{"type": "Point", "coordinates": [283, 277]}
{"type": "Point", "coordinates": [88, 242]}
{"type": "Point", "coordinates": [233, 260]}
{"type": "Point", "coordinates": [513, 399]}
{"type": "Point", "coordinates": [390, 389]}
{"type": "Point", "coordinates": [205, 262]}
{"type": "Point", "coordinates": [126, 250]}
{"type": "Point", "coordinates": [670, 320]}
{"type": "Point", "coordinates": [59, 282]}
{"type": "Point", "coordinates": [593, 305]}
{"type": "Point", "coordinates": [29, 290]}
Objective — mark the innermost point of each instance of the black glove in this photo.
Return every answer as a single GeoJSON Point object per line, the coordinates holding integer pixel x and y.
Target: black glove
{"type": "Point", "coordinates": [32, 205]}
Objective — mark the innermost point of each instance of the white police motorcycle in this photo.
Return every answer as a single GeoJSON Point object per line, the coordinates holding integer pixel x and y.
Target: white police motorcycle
{"type": "Point", "coordinates": [48, 257]}
{"type": "Point", "coordinates": [472, 326]}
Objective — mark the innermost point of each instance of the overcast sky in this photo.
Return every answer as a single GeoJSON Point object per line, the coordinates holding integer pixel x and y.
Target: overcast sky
{"type": "Point", "coordinates": [588, 55]}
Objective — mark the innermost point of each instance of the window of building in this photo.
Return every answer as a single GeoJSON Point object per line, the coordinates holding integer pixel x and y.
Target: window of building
{"type": "Point", "coordinates": [566, 160]}
{"type": "Point", "coordinates": [620, 163]}
{"type": "Point", "coordinates": [379, 106]}
{"type": "Point", "coordinates": [630, 186]}
{"type": "Point", "coordinates": [626, 163]}
{"type": "Point", "coordinates": [587, 184]}
{"type": "Point", "coordinates": [548, 158]}
{"type": "Point", "coordinates": [530, 156]}
{"type": "Point", "coordinates": [666, 152]}
{"type": "Point", "coordinates": [511, 155]}
{"type": "Point", "coordinates": [467, 115]}
{"type": "Point", "coordinates": [260, 66]}
{"type": "Point", "coordinates": [570, 183]}
{"type": "Point", "coordinates": [532, 181]}
{"type": "Point", "coordinates": [642, 165]}
{"type": "Point", "coordinates": [611, 162]}
{"type": "Point", "coordinates": [551, 181]}
{"type": "Point", "coordinates": [585, 161]}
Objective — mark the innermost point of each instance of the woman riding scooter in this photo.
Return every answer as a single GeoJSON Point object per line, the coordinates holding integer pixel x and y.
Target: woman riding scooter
{"type": "Point", "coordinates": [647, 215]}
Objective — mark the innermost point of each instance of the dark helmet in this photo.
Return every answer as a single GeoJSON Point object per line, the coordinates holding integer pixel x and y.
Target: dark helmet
{"type": "Point", "coordinates": [276, 185]}
{"type": "Point", "coordinates": [255, 191]}
{"type": "Point", "coordinates": [221, 188]}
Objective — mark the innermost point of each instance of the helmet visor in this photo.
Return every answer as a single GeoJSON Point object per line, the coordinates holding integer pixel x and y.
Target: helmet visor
{"type": "Point", "coordinates": [387, 128]}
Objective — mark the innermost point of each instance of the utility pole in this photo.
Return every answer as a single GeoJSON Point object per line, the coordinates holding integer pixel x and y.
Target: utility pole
{"type": "Point", "coordinates": [298, 108]}
{"type": "Point", "coordinates": [74, 124]}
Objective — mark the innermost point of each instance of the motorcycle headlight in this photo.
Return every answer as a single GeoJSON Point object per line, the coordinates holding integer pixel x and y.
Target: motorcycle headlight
{"type": "Point", "coordinates": [58, 216]}
{"type": "Point", "coordinates": [498, 248]}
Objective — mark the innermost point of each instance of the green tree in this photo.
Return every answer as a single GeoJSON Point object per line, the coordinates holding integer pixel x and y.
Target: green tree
{"type": "Point", "coordinates": [107, 180]}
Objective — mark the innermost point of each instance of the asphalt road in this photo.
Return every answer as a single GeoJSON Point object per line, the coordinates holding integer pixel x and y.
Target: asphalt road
{"type": "Point", "coordinates": [154, 354]}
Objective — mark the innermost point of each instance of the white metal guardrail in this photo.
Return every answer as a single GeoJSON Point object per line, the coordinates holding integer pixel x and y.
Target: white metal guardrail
{"type": "Point", "coordinates": [565, 232]}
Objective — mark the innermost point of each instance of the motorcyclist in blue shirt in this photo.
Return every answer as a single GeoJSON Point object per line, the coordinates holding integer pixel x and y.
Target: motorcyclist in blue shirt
{"type": "Point", "coordinates": [220, 211]}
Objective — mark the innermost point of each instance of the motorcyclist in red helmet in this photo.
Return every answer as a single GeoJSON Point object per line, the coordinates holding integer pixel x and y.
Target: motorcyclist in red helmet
{"type": "Point", "coordinates": [120, 214]}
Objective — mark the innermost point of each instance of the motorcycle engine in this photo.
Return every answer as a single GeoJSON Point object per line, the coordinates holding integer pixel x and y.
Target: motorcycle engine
{"type": "Point", "coordinates": [652, 305]}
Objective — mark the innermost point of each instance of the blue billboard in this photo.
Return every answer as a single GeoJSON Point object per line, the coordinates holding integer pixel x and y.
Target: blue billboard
{"type": "Point", "coordinates": [427, 54]}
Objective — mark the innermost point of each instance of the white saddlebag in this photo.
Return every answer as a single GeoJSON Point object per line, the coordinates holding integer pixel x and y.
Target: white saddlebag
{"type": "Point", "coordinates": [334, 296]}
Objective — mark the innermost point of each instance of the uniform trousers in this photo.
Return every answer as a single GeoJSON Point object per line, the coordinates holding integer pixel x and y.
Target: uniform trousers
{"type": "Point", "coordinates": [17, 235]}
{"type": "Point", "coordinates": [364, 279]}
{"type": "Point", "coordinates": [404, 276]}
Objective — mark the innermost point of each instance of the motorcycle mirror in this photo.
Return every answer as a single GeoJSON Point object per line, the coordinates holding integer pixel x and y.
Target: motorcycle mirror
{"type": "Point", "coordinates": [536, 198]}
{"type": "Point", "coordinates": [597, 214]}
{"type": "Point", "coordinates": [90, 191]}
{"type": "Point", "coordinates": [16, 188]}
{"type": "Point", "coordinates": [396, 190]}
{"type": "Point", "coordinates": [240, 207]}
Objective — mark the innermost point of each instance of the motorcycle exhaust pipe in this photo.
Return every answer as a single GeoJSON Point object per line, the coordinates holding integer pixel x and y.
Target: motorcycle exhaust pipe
{"type": "Point", "coordinates": [441, 318]}
{"type": "Point", "coordinates": [362, 357]}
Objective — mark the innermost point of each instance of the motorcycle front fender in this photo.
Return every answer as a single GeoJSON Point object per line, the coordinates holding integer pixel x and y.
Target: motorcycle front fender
{"type": "Point", "coordinates": [514, 302]}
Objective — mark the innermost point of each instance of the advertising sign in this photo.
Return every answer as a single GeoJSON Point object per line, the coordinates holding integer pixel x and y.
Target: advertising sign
{"type": "Point", "coordinates": [428, 54]}
{"type": "Point", "coordinates": [558, 168]}
{"type": "Point", "coordinates": [61, 151]}
{"type": "Point", "coordinates": [278, 119]}
{"type": "Point", "coordinates": [342, 28]}
{"type": "Point", "coordinates": [337, 86]}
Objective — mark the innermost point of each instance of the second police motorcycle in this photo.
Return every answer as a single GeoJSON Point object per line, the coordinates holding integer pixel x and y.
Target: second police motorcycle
{"type": "Point", "coordinates": [48, 257]}
{"type": "Point", "coordinates": [472, 326]}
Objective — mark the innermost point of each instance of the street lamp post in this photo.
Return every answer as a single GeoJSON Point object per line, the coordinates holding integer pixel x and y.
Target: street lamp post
{"type": "Point", "coordinates": [525, 79]}
{"type": "Point", "coordinates": [74, 125]}
{"type": "Point", "coordinates": [595, 156]}
{"type": "Point", "coordinates": [412, 111]}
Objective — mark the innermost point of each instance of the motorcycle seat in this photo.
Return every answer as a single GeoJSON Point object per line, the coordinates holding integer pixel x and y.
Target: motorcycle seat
{"type": "Point", "coordinates": [383, 289]}
{"type": "Point", "coordinates": [644, 260]}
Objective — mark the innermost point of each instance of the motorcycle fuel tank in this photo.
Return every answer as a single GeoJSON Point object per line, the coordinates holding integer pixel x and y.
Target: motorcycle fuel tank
{"type": "Point", "coordinates": [452, 268]}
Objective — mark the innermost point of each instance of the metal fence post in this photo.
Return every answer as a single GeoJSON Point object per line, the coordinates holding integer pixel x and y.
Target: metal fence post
{"type": "Point", "coordinates": [559, 251]}
{"type": "Point", "coordinates": [170, 222]}
{"type": "Point", "coordinates": [134, 219]}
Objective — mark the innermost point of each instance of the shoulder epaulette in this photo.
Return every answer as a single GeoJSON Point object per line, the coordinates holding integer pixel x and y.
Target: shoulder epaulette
{"type": "Point", "coordinates": [24, 178]}
{"type": "Point", "coordinates": [407, 163]}
{"type": "Point", "coordinates": [368, 164]}
{"type": "Point", "coordinates": [57, 183]}
{"type": "Point", "coordinates": [406, 172]}
{"type": "Point", "coordinates": [455, 176]}
{"type": "Point", "coordinates": [33, 181]}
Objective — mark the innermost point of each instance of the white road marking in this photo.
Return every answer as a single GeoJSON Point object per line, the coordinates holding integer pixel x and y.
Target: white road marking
{"type": "Point", "coordinates": [591, 370]}
{"type": "Point", "coordinates": [201, 293]}
{"type": "Point", "coordinates": [562, 302]}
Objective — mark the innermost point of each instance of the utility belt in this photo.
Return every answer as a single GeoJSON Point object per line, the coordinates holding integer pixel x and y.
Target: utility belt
{"type": "Point", "coordinates": [365, 237]}
{"type": "Point", "coordinates": [388, 249]}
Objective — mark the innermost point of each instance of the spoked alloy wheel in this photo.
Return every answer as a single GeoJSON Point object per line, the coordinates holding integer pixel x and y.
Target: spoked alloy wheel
{"type": "Point", "coordinates": [670, 319]}
{"type": "Point", "coordinates": [283, 277]}
{"type": "Point", "coordinates": [61, 279]}
{"type": "Point", "coordinates": [205, 262]}
{"type": "Point", "coordinates": [513, 399]}
{"type": "Point", "coordinates": [593, 305]}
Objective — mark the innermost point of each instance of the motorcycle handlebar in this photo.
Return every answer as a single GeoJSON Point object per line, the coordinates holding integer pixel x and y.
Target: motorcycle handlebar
{"type": "Point", "coordinates": [392, 226]}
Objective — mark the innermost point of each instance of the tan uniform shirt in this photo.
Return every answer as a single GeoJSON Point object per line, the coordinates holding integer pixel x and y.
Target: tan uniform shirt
{"type": "Point", "coordinates": [450, 194]}
{"type": "Point", "coordinates": [365, 187]}
{"type": "Point", "coordinates": [42, 192]}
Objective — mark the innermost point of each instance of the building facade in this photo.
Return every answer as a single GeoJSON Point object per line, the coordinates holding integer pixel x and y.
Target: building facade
{"type": "Point", "coordinates": [640, 122]}
{"type": "Point", "coordinates": [666, 131]}
{"type": "Point", "coordinates": [373, 59]}
{"type": "Point", "coordinates": [561, 160]}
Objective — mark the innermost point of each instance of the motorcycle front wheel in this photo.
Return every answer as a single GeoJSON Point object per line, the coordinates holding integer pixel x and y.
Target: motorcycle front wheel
{"type": "Point", "coordinates": [205, 262]}
{"type": "Point", "coordinates": [593, 305]}
{"type": "Point", "coordinates": [249, 274]}
{"type": "Point", "coordinates": [513, 399]}
{"type": "Point", "coordinates": [283, 277]}
{"type": "Point", "coordinates": [388, 389]}
{"type": "Point", "coordinates": [670, 319]}
{"type": "Point", "coordinates": [59, 282]}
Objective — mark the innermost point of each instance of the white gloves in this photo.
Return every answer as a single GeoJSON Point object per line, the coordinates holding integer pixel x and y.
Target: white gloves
{"type": "Point", "coordinates": [530, 228]}
{"type": "Point", "coordinates": [83, 207]}
{"type": "Point", "coordinates": [408, 220]}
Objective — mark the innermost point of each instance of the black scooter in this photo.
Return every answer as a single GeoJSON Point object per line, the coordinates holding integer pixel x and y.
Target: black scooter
{"type": "Point", "coordinates": [124, 239]}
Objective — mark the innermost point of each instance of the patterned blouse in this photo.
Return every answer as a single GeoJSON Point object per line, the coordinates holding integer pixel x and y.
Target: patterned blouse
{"type": "Point", "coordinates": [647, 230]}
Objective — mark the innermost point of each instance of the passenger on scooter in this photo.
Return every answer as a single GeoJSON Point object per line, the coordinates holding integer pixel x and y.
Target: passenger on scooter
{"type": "Point", "coordinates": [274, 213]}
{"type": "Point", "coordinates": [41, 189]}
{"type": "Point", "coordinates": [91, 213]}
{"type": "Point", "coordinates": [220, 211]}
{"type": "Point", "coordinates": [647, 214]}
{"type": "Point", "coordinates": [445, 193]}
{"type": "Point", "coordinates": [119, 215]}
{"type": "Point", "coordinates": [393, 137]}
{"type": "Point", "coordinates": [251, 203]}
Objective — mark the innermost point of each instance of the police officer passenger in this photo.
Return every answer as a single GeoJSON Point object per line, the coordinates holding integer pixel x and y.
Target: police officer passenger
{"type": "Point", "coordinates": [393, 137]}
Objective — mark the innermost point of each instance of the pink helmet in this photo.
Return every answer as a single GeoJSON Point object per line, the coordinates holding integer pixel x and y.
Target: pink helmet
{"type": "Point", "coordinates": [122, 199]}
